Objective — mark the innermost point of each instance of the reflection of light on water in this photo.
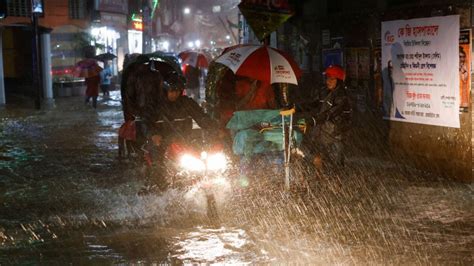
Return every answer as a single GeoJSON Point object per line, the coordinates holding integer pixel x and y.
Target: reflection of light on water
{"type": "Point", "coordinates": [11, 157]}
{"type": "Point", "coordinates": [213, 245]}
{"type": "Point", "coordinates": [107, 134]}
{"type": "Point", "coordinates": [114, 99]}
{"type": "Point", "coordinates": [97, 251]}
{"type": "Point", "coordinates": [196, 197]}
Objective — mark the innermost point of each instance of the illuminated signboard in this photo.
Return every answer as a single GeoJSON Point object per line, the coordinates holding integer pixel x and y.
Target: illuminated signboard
{"type": "Point", "coordinates": [137, 23]}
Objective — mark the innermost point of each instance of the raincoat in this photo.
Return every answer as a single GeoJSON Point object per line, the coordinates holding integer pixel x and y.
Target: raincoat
{"type": "Point", "coordinates": [248, 98]}
{"type": "Point", "coordinates": [92, 86]}
{"type": "Point", "coordinates": [175, 118]}
{"type": "Point", "coordinates": [329, 119]}
{"type": "Point", "coordinates": [240, 95]}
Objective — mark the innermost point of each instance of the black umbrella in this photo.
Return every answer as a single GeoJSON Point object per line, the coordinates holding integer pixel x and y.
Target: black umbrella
{"type": "Point", "coordinates": [105, 57]}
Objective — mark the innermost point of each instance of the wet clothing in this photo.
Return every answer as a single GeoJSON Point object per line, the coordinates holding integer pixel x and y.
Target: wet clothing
{"type": "Point", "coordinates": [92, 86]}
{"type": "Point", "coordinates": [192, 75]}
{"type": "Point", "coordinates": [243, 95]}
{"type": "Point", "coordinates": [250, 98]}
{"type": "Point", "coordinates": [105, 76]}
{"type": "Point", "coordinates": [92, 89]}
{"type": "Point", "coordinates": [175, 118]}
{"type": "Point", "coordinates": [105, 80]}
{"type": "Point", "coordinates": [329, 120]}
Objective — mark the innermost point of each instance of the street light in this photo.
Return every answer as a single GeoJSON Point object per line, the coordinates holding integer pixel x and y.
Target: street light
{"type": "Point", "coordinates": [187, 10]}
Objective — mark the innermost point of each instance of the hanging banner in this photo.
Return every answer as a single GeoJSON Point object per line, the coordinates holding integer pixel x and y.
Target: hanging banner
{"type": "Point", "coordinates": [265, 16]}
{"type": "Point", "coordinates": [465, 49]}
{"type": "Point", "coordinates": [420, 61]}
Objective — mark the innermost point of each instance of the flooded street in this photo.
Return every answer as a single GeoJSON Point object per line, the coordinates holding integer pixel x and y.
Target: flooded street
{"type": "Point", "coordinates": [66, 198]}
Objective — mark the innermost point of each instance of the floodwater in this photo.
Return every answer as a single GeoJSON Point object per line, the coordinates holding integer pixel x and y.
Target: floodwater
{"type": "Point", "coordinates": [65, 198]}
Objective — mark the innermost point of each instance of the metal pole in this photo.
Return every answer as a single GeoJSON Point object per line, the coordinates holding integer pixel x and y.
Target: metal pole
{"type": "Point", "coordinates": [146, 26]}
{"type": "Point", "coordinates": [3, 100]}
{"type": "Point", "coordinates": [35, 59]}
{"type": "Point", "coordinates": [47, 81]}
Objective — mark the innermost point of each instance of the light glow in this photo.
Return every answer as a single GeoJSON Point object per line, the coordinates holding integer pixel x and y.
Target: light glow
{"type": "Point", "coordinates": [217, 162]}
{"type": "Point", "coordinates": [191, 163]}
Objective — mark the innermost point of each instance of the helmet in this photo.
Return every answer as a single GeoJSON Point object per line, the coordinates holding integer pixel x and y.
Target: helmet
{"type": "Point", "coordinates": [173, 81]}
{"type": "Point", "coordinates": [335, 71]}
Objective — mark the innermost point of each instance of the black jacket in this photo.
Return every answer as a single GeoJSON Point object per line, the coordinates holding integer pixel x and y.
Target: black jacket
{"type": "Point", "coordinates": [176, 118]}
{"type": "Point", "coordinates": [330, 111]}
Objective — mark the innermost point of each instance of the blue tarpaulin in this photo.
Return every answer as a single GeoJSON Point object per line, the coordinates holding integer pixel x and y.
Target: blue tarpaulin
{"type": "Point", "coordinates": [248, 139]}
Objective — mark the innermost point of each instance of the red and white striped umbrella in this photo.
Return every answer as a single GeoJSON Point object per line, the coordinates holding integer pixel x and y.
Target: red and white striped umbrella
{"type": "Point", "coordinates": [194, 59]}
{"type": "Point", "coordinates": [262, 63]}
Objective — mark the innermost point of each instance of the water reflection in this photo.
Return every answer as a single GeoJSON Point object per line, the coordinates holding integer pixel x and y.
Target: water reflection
{"type": "Point", "coordinates": [228, 246]}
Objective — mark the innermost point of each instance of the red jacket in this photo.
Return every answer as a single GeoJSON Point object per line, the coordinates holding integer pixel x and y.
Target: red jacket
{"type": "Point", "coordinates": [92, 84]}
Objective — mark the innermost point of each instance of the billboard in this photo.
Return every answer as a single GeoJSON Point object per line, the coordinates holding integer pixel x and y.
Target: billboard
{"type": "Point", "coordinates": [420, 70]}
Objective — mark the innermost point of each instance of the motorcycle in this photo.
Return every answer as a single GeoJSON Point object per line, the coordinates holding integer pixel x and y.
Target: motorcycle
{"type": "Point", "coordinates": [192, 163]}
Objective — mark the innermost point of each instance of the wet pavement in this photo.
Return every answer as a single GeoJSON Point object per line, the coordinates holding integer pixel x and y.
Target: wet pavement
{"type": "Point", "coordinates": [65, 198]}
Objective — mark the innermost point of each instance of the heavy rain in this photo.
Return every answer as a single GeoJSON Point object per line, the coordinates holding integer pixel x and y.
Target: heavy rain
{"type": "Point", "coordinates": [69, 197]}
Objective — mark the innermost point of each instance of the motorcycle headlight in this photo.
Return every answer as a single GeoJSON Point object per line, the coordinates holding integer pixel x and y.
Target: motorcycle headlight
{"type": "Point", "coordinates": [191, 163]}
{"type": "Point", "coordinates": [217, 162]}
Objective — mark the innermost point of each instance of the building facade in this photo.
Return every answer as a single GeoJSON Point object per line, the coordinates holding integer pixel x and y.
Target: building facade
{"type": "Point", "coordinates": [17, 46]}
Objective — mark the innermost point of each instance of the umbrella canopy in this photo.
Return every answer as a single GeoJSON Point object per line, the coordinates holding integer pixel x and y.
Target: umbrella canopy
{"type": "Point", "coordinates": [87, 68]}
{"type": "Point", "coordinates": [194, 59]}
{"type": "Point", "coordinates": [167, 58]}
{"type": "Point", "coordinates": [105, 57]}
{"type": "Point", "coordinates": [262, 63]}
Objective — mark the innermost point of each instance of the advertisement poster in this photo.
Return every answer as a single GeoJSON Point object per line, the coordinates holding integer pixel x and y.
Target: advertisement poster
{"type": "Point", "coordinates": [420, 70]}
{"type": "Point", "coordinates": [465, 68]}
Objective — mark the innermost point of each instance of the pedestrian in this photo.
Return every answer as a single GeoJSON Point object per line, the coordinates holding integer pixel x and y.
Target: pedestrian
{"type": "Point", "coordinates": [329, 118]}
{"type": "Point", "coordinates": [92, 89]}
{"type": "Point", "coordinates": [105, 80]}
{"type": "Point", "coordinates": [252, 94]}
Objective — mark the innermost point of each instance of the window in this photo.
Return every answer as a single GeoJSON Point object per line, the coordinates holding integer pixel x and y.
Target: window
{"type": "Point", "coordinates": [77, 9]}
{"type": "Point", "coordinates": [19, 8]}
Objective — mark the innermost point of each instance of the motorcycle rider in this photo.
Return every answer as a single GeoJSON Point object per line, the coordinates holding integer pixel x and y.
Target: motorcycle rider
{"type": "Point", "coordinates": [172, 119]}
{"type": "Point", "coordinates": [329, 119]}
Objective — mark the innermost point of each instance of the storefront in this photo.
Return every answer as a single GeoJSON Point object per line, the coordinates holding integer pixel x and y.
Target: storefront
{"type": "Point", "coordinates": [110, 32]}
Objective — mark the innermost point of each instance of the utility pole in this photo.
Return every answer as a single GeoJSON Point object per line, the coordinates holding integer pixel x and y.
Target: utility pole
{"type": "Point", "coordinates": [146, 26]}
{"type": "Point", "coordinates": [36, 10]}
